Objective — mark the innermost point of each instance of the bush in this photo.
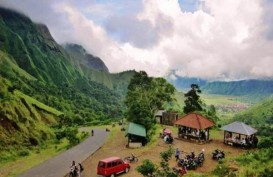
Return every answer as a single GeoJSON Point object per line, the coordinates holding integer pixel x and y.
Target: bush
{"type": "Point", "coordinates": [221, 170]}
{"type": "Point", "coordinates": [148, 168]}
{"type": "Point", "coordinates": [266, 173]}
{"type": "Point", "coordinates": [266, 142]}
{"type": "Point", "coordinates": [23, 153]}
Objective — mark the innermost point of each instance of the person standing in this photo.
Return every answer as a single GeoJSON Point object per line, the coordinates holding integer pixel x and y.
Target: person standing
{"type": "Point", "coordinates": [92, 132]}
{"type": "Point", "coordinates": [177, 154]}
{"type": "Point", "coordinates": [207, 135]}
{"type": "Point", "coordinates": [80, 169]}
{"type": "Point", "coordinates": [73, 169]}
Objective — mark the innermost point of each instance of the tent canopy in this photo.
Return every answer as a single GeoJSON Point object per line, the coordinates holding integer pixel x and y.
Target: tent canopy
{"type": "Point", "coordinates": [167, 131]}
{"type": "Point", "coordinates": [136, 129]}
{"type": "Point", "coordinates": [194, 120]}
{"type": "Point", "coordinates": [240, 128]}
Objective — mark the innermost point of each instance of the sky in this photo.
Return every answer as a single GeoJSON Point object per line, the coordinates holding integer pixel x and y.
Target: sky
{"type": "Point", "coordinates": [209, 39]}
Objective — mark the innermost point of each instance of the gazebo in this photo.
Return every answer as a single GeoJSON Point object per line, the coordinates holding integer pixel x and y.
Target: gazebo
{"type": "Point", "coordinates": [240, 128]}
{"type": "Point", "coordinates": [136, 135]}
{"type": "Point", "coordinates": [194, 126]}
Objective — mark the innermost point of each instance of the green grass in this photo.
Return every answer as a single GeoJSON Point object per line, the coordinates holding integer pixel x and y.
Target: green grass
{"type": "Point", "coordinates": [216, 134]}
{"type": "Point", "coordinates": [211, 99]}
{"type": "Point", "coordinates": [37, 103]}
{"type": "Point", "coordinates": [37, 156]}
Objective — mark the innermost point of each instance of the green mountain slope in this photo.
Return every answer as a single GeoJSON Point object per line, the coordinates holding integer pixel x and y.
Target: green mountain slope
{"type": "Point", "coordinates": [95, 69]}
{"type": "Point", "coordinates": [38, 77]}
{"type": "Point", "coordinates": [24, 120]}
{"type": "Point", "coordinates": [34, 50]}
{"type": "Point", "coordinates": [244, 87]}
{"type": "Point", "coordinates": [85, 60]}
{"type": "Point", "coordinates": [92, 67]}
{"type": "Point", "coordinates": [238, 88]}
{"type": "Point", "coordinates": [34, 53]}
{"type": "Point", "coordinates": [259, 115]}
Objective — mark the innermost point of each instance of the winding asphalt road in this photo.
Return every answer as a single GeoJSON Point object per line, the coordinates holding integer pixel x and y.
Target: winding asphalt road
{"type": "Point", "coordinates": [59, 165]}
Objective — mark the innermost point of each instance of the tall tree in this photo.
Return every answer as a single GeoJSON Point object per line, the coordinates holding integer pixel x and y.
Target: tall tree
{"type": "Point", "coordinates": [145, 96]}
{"type": "Point", "coordinates": [192, 101]}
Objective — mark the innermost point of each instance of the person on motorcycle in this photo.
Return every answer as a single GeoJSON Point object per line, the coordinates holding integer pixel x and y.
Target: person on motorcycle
{"type": "Point", "coordinates": [132, 158]}
{"type": "Point", "coordinates": [192, 156]}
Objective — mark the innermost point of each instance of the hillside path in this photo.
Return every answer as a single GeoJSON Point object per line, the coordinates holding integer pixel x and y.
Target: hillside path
{"type": "Point", "coordinates": [59, 165]}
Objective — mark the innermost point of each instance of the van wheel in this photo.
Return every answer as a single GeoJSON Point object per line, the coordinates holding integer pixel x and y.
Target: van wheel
{"type": "Point", "coordinates": [126, 170]}
{"type": "Point", "coordinates": [112, 175]}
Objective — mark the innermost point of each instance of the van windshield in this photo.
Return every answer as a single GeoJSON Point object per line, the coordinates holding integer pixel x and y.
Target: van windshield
{"type": "Point", "coordinates": [101, 164]}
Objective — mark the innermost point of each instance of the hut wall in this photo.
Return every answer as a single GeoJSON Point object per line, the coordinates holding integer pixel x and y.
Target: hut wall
{"type": "Point", "coordinates": [168, 118]}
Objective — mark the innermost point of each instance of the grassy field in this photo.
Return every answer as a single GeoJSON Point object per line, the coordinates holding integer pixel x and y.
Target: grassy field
{"type": "Point", "coordinates": [35, 157]}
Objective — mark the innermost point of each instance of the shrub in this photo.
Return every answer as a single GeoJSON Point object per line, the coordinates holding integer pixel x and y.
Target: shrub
{"type": "Point", "coordinates": [221, 170]}
{"type": "Point", "coordinates": [266, 173]}
{"type": "Point", "coordinates": [23, 153]}
{"type": "Point", "coordinates": [266, 142]}
{"type": "Point", "coordinates": [148, 168]}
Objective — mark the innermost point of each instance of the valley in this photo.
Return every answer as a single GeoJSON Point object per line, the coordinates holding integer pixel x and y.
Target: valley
{"type": "Point", "coordinates": [50, 93]}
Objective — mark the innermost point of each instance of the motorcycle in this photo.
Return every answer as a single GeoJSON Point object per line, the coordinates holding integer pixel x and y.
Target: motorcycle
{"type": "Point", "coordinates": [131, 159]}
{"type": "Point", "coordinates": [180, 171]}
{"type": "Point", "coordinates": [218, 155]}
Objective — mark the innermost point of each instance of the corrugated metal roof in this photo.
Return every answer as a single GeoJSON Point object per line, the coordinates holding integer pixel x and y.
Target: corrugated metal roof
{"type": "Point", "coordinates": [136, 129]}
{"type": "Point", "coordinates": [240, 128]}
{"type": "Point", "coordinates": [194, 120]}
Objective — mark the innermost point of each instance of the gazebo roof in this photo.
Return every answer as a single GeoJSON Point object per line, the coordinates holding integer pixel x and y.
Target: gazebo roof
{"type": "Point", "coordinates": [194, 120]}
{"type": "Point", "coordinates": [240, 128]}
{"type": "Point", "coordinates": [136, 129]}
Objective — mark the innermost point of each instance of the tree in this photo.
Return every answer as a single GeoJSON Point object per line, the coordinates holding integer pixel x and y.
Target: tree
{"type": "Point", "coordinates": [192, 102]}
{"type": "Point", "coordinates": [145, 96]}
{"type": "Point", "coordinates": [149, 169]}
{"type": "Point", "coordinates": [212, 114]}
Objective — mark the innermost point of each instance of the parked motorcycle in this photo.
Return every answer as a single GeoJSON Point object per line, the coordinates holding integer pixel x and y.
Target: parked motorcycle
{"type": "Point", "coordinates": [218, 154]}
{"type": "Point", "coordinates": [131, 158]}
{"type": "Point", "coordinates": [180, 171]}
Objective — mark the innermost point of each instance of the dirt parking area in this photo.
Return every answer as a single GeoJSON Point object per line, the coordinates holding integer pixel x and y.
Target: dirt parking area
{"type": "Point", "coordinates": [117, 147]}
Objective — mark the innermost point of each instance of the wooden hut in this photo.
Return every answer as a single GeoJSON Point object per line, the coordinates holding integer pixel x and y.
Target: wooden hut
{"type": "Point", "coordinates": [166, 118]}
{"type": "Point", "coordinates": [194, 126]}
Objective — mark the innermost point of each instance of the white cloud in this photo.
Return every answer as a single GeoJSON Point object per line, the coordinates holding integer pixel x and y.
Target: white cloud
{"type": "Point", "coordinates": [227, 39]}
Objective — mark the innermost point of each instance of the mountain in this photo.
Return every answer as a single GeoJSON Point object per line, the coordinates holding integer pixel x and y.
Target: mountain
{"type": "Point", "coordinates": [39, 78]}
{"type": "Point", "coordinates": [95, 69]}
{"type": "Point", "coordinates": [183, 83]}
{"type": "Point", "coordinates": [243, 87]}
{"type": "Point", "coordinates": [86, 61]}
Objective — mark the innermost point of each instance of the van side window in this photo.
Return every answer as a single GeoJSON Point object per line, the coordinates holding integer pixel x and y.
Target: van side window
{"type": "Point", "coordinates": [109, 165]}
{"type": "Point", "coordinates": [102, 164]}
{"type": "Point", "coordinates": [119, 162]}
{"type": "Point", "coordinates": [114, 163]}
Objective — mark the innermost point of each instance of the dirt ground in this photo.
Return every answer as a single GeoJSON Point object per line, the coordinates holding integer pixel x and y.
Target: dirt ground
{"type": "Point", "coordinates": [117, 147]}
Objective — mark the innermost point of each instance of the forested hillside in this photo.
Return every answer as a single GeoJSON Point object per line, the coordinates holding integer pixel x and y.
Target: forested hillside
{"type": "Point", "coordinates": [244, 87]}
{"type": "Point", "coordinates": [42, 85]}
{"type": "Point", "coordinates": [259, 116]}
